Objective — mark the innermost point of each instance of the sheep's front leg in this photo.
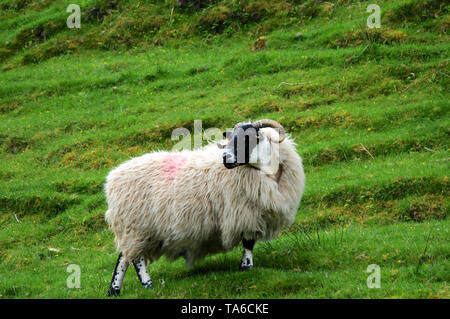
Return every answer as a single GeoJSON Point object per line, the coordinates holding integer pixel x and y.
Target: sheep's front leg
{"type": "Point", "coordinates": [141, 270]}
{"type": "Point", "coordinates": [247, 258]}
{"type": "Point", "coordinates": [118, 275]}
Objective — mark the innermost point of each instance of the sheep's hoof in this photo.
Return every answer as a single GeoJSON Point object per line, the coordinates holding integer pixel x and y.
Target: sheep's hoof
{"type": "Point", "coordinates": [147, 285]}
{"type": "Point", "coordinates": [113, 292]}
{"type": "Point", "coordinates": [245, 267]}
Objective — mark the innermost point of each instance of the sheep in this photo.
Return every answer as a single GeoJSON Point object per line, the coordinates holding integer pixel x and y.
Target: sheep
{"type": "Point", "coordinates": [193, 203]}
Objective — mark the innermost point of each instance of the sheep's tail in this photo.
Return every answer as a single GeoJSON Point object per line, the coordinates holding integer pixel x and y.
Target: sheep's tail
{"type": "Point", "coordinates": [109, 220]}
{"type": "Point", "coordinates": [108, 217]}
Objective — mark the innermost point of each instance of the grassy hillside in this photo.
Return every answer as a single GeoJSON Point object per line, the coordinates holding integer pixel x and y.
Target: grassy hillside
{"type": "Point", "coordinates": [368, 108]}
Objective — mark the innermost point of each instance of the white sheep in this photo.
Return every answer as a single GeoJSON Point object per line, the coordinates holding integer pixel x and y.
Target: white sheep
{"type": "Point", "coordinates": [193, 203]}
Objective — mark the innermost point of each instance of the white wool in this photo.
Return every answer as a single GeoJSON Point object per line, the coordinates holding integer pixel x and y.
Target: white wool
{"type": "Point", "coordinates": [188, 204]}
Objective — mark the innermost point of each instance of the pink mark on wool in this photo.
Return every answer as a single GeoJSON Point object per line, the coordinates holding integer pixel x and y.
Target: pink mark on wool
{"type": "Point", "coordinates": [172, 164]}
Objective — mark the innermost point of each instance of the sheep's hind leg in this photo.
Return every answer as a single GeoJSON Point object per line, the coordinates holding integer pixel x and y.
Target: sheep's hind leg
{"type": "Point", "coordinates": [118, 275]}
{"type": "Point", "coordinates": [247, 258]}
{"type": "Point", "coordinates": [141, 270]}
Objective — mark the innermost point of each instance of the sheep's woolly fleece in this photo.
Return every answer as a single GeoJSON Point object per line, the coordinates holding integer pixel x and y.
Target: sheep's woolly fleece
{"type": "Point", "coordinates": [187, 204]}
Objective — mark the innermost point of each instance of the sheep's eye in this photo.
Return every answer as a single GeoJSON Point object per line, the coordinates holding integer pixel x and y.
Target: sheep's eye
{"type": "Point", "coordinates": [227, 135]}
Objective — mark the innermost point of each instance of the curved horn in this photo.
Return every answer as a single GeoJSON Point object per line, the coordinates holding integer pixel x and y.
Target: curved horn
{"type": "Point", "coordinates": [273, 124]}
{"type": "Point", "coordinates": [237, 125]}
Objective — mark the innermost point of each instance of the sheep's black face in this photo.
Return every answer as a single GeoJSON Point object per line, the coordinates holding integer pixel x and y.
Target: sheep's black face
{"type": "Point", "coordinates": [242, 142]}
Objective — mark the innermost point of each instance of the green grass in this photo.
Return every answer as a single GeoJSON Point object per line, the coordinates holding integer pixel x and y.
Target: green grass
{"type": "Point", "coordinates": [368, 110]}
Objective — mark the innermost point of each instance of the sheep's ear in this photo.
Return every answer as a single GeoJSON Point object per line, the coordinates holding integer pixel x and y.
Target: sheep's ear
{"type": "Point", "coordinates": [271, 134]}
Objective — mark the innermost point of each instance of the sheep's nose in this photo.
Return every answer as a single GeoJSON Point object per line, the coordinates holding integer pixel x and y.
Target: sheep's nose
{"type": "Point", "coordinates": [228, 160]}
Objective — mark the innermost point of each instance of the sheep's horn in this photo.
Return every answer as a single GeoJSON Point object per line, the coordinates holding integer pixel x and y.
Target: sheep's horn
{"type": "Point", "coordinates": [237, 125]}
{"type": "Point", "coordinates": [273, 124]}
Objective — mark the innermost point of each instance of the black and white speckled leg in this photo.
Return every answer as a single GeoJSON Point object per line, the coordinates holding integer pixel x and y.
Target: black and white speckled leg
{"type": "Point", "coordinates": [118, 275]}
{"type": "Point", "coordinates": [141, 270]}
{"type": "Point", "coordinates": [247, 258]}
